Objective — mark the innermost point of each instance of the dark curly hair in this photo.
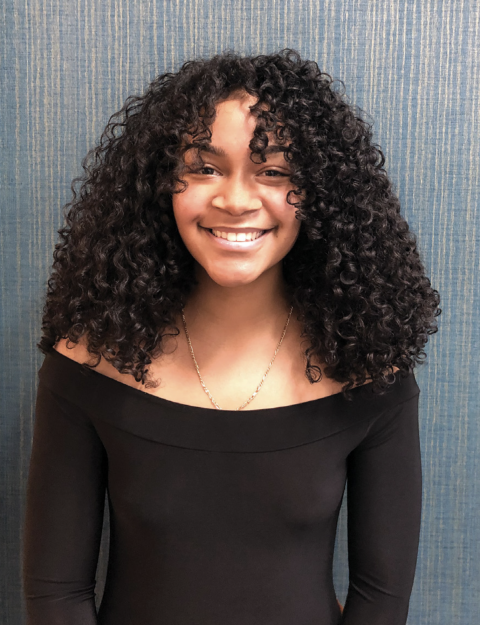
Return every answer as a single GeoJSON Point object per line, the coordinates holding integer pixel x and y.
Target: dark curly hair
{"type": "Point", "coordinates": [122, 274]}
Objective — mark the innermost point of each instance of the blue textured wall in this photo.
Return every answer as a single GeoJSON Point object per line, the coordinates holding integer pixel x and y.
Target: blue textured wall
{"type": "Point", "coordinates": [413, 66]}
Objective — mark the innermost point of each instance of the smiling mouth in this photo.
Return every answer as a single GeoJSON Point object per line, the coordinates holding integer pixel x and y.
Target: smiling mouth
{"type": "Point", "coordinates": [237, 237]}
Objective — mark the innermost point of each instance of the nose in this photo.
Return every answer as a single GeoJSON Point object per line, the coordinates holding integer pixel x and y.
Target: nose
{"type": "Point", "coordinates": [236, 197]}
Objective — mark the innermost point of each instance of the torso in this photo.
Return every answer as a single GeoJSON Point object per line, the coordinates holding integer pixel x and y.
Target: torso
{"type": "Point", "coordinates": [178, 381]}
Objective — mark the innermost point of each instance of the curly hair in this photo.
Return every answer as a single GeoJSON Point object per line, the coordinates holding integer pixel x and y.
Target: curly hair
{"type": "Point", "coordinates": [121, 272]}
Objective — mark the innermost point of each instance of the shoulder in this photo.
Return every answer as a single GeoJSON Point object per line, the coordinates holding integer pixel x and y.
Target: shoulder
{"type": "Point", "coordinates": [79, 353]}
{"type": "Point", "coordinates": [369, 379]}
{"type": "Point", "coordinates": [75, 351]}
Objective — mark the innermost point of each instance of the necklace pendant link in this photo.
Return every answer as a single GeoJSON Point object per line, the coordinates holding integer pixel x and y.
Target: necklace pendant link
{"type": "Point", "coordinates": [263, 378]}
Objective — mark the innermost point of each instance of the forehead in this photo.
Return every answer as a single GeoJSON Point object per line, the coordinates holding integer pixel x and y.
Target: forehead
{"type": "Point", "coordinates": [217, 150]}
{"type": "Point", "coordinates": [234, 125]}
{"type": "Point", "coordinates": [272, 154]}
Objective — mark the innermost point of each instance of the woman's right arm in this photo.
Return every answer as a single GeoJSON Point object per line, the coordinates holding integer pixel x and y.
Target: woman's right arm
{"type": "Point", "coordinates": [64, 514]}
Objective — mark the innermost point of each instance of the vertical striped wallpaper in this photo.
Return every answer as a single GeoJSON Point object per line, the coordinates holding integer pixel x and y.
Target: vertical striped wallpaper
{"type": "Point", "coordinates": [413, 66]}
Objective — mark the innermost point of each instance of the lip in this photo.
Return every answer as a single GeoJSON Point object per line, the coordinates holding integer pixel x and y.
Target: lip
{"type": "Point", "coordinates": [239, 230]}
{"type": "Point", "coordinates": [236, 245]}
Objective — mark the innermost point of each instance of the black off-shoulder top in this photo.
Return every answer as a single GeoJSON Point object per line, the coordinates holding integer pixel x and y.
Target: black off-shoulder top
{"type": "Point", "coordinates": [219, 517]}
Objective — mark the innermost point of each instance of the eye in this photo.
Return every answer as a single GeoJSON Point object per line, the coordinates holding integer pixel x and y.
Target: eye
{"type": "Point", "coordinates": [200, 170]}
{"type": "Point", "coordinates": [275, 171]}
{"type": "Point", "coordinates": [205, 168]}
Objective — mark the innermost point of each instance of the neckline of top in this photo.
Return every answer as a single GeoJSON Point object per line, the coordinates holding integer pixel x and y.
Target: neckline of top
{"type": "Point", "coordinates": [189, 408]}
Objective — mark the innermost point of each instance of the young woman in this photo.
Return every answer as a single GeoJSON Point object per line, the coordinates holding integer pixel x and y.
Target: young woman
{"type": "Point", "coordinates": [236, 246]}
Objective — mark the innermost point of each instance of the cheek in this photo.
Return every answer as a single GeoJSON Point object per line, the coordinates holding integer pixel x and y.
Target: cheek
{"type": "Point", "coordinates": [291, 237]}
{"type": "Point", "coordinates": [293, 222]}
{"type": "Point", "coordinates": [186, 209]}
{"type": "Point", "coordinates": [286, 216]}
{"type": "Point", "coordinates": [291, 229]}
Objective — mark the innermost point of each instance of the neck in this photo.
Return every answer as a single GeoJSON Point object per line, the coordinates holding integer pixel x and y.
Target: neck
{"type": "Point", "coordinates": [237, 314]}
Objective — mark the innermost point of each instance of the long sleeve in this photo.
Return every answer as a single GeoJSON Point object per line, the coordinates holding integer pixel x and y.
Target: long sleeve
{"type": "Point", "coordinates": [384, 497]}
{"type": "Point", "coordinates": [64, 514]}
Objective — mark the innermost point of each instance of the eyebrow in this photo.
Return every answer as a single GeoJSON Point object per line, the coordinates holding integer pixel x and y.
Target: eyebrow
{"type": "Point", "coordinates": [217, 151]}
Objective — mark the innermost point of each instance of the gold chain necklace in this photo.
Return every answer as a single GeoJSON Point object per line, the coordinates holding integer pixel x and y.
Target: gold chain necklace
{"type": "Point", "coordinates": [263, 379]}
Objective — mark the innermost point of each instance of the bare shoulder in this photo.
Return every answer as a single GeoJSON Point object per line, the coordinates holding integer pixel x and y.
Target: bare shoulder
{"type": "Point", "coordinates": [75, 351]}
{"type": "Point", "coordinates": [369, 379]}
{"type": "Point", "coordinates": [79, 353]}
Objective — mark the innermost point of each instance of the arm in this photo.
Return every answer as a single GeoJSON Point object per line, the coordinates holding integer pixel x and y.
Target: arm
{"type": "Point", "coordinates": [64, 513]}
{"type": "Point", "coordinates": [384, 498]}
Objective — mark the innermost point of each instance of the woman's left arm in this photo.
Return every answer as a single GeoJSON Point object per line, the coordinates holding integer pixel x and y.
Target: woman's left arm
{"type": "Point", "coordinates": [384, 497]}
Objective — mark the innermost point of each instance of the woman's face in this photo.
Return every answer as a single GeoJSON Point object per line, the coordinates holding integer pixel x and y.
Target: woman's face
{"type": "Point", "coordinates": [232, 200]}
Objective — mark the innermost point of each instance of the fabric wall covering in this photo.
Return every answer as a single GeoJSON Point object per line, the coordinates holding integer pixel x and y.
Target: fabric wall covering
{"type": "Point", "coordinates": [413, 66]}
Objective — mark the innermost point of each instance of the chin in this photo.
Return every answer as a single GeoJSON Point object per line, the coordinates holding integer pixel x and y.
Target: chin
{"type": "Point", "coordinates": [227, 281]}
{"type": "Point", "coordinates": [231, 279]}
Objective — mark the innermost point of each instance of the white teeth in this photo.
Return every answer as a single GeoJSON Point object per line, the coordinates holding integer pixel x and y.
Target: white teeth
{"type": "Point", "coordinates": [240, 236]}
